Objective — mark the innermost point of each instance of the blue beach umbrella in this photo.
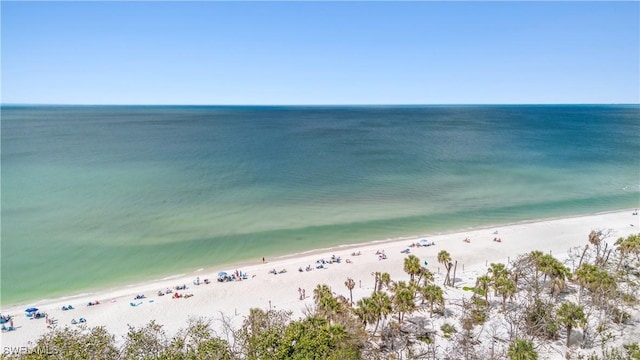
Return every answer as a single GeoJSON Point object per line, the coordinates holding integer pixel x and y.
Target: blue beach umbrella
{"type": "Point", "coordinates": [222, 273]}
{"type": "Point", "coordinates": [30, 310]}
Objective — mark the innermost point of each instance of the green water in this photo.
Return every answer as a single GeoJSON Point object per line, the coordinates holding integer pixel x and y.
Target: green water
{"type": "Point", "coordinates": [101, 196]}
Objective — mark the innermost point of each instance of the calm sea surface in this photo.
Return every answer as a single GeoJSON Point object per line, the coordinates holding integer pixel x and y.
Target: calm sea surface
{"type": "Point", "coordinates": [95, 196]}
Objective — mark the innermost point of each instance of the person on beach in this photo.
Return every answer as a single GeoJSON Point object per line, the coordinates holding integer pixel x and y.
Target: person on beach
{"type": "Point", "coordinates": [263, 260]}
{"type": "Point", "coordinates": [304, 296]}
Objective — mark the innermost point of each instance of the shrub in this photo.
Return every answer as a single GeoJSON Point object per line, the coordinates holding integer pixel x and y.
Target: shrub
{"type": "Point", "coordinates": [448, 330]}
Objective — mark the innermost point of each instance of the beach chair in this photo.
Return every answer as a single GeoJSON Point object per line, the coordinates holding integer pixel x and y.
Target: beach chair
{"type": "Point", "coordinates": [7, 328]}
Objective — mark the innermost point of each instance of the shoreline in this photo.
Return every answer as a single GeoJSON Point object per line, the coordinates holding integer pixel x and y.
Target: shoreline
{"type": "Point", "coordinates": [102, 291]}
{"type": "Point", "coordinates": [264, 290]}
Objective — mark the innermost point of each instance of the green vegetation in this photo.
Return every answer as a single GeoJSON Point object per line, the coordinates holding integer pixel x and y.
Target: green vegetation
{"type": "Point", "coordinates": [521, 349]}
{"type": "Point", "coordinates": [448, 330]}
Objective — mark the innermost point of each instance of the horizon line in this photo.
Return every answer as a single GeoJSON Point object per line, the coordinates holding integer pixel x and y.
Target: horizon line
{"type": "Point", "coordinates": [318, 105]}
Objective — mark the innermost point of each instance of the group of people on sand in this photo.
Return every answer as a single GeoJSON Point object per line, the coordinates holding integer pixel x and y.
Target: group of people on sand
{"type": "Point", "coordinates": [381, 255]}
{"type": "Point", "coordinates": [274, 272]}
{"type": "Point", "coordinates": [79, 321]}
{"type": "Point", "coordinates": [238, 275]}
{"type": "Point", "coordinates": [162, 293]}
{"type": "Point", "coordinates": [50, 321]}
{"type": "Point", "coordinates": [422, 243]}
{"type": "Point", "coordinates": [6, 319]}
{"type": "Point", "coordinates": [497, 239]}
{"type": "Point", "coordinates": [205, 281]}
{"type": "Point", "coordinates": [302, 294]}
{"type": "Point", "coordinates": [308, 268]}
{"type": "Point", "coordinates": [177, 295]}
{"type": "Point", "coordinates": [8, 328]}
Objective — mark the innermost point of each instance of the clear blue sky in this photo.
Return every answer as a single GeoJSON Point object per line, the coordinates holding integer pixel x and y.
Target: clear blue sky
{"type": "Point", "coordinates": [320, 53]}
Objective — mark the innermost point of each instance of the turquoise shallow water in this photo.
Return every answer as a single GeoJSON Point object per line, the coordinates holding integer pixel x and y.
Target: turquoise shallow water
{"type": "Point", "coordinates": [95, 196]}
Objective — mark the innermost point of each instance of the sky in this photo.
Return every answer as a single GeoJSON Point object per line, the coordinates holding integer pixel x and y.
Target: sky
{"type": "Point", "coordinates": [313, 53]}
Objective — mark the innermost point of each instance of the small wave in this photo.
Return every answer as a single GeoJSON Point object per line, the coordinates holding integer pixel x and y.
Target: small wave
{"type": "Point", "coordinates": [199, 270]}
{"type": "Point", "coordinates": [173, 277]}
{"type": "Point", "coordinates": [632, 188]}
{"type": "Point", "coordinates": [63, 298]}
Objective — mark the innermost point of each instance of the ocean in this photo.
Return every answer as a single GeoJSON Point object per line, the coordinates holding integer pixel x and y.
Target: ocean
{"type": "Point", "coordinates": [100, 196]}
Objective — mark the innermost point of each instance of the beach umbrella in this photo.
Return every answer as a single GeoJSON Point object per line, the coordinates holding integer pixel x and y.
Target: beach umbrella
{"type": "Point", "coordinates": [222, 273]}
{"type": "Point", "coordinates": [30, 310]}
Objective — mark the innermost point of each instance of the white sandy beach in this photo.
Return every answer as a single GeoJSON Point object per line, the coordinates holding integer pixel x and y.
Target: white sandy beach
{"type": "Point", "coordinates": [262, 289]}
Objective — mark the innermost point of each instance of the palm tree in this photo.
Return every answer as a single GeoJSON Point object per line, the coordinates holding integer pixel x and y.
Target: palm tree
{"type": "Point", "coordinates": [534, 258]}
{"type": "Point", "coordinates": [385, 279]}
{"type": "Point", "coordinates": [599, 282]}
{"type": "Point", "coordinates": [320, 293]}
{"type": "Point", "coordinates": [426, 275]}
{"type": "Point", "coordinates": [584, 276]}
{"type": "Point", "coordinates": [483, 283]}
{"type": "Point", "coordinates": [381, 305]}
{"type": "Point", "coordinates": [396, 286]}
{"type": "Point", "coordinates": [595, 238]}
{"type": "Point", "coordinates": [350, 284]}
{"type": "Point", "coordinates": [628, 245]}
{"type": "Point", "coordinates": [403, 301]}
{"type": "Point", "coordinates": [521, 349]}
{"type": "Point", "coordinates": [498, 271]}
{"type": "Point", "coordinates": [571, 315]}
{"type": "Point", "coordinates": [412, 266]}
{"type": "Point", "coordinates": [546, 265]}
{"type": "Point", "coordinates": [381, 279]}
{"type": "Point", "coordinates": [557, 284]}
{"type": "Point", "coordinates": [366, 311]}
{"type": "Point", "coordinates": [433, 294]}
{"type": "Point", "coordinates": [444, 258]}
{"type": "Point", "coordinates": [506, 288]}
{"type": "Point", "coordinates": [326, 304]}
